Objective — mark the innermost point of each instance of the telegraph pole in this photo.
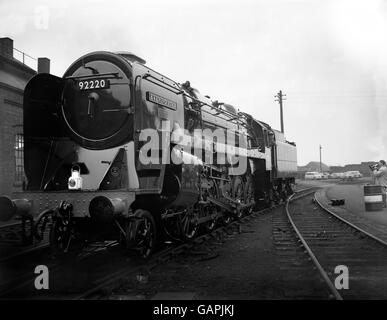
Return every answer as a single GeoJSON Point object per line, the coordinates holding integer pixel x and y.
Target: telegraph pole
{"type": "Point", "coordinates": [320, 159]}
{"type": "Point", "coordinates": [280, 97]}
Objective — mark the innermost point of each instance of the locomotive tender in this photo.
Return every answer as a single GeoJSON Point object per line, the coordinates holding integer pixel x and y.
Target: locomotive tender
{"type": "Point", "coordinates": [106, 156]}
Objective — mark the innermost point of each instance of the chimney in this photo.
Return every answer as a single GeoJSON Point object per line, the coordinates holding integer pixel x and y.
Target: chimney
{"type": "Point", "coordinates": [6, 47]}
{"type": "Point", "coordinates": [43, 65]}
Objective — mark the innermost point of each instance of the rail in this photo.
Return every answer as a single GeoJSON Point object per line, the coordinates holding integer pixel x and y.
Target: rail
{"type": "Point", "coordinates": [317, 264]}
{"type": "Point", "coordinates": [349, 223]}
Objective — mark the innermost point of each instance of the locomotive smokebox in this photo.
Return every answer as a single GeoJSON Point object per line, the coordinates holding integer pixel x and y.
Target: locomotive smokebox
{"type": "Point", "coordinates": [102, 209]}
{"type": "Point", "coordinates": [9, 208]}
{"type": "Point", "coordinates": [96, 101]}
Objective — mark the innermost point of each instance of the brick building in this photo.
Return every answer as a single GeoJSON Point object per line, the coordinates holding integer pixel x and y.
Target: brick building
{"type": "Point", "coordinates": [14, 75]}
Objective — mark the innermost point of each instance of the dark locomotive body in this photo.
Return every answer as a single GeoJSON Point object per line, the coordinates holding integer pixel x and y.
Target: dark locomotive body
{"type": "Point", "coordinates": [114, 149]}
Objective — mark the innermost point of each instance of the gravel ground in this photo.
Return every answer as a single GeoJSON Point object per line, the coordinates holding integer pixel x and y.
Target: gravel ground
{"type": "Point", "coordinates": [246, 265]}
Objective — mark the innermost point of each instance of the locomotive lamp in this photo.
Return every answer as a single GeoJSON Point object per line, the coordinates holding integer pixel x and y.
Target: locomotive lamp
{"type": "Point", "coordinates": [75, 181]}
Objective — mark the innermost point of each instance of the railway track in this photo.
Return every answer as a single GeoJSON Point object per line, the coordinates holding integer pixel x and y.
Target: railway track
{"type": "Point", "coordinates": [111, 281]}
{"type": "Point", "coordinates": [88, 276]}
{"type": "Point", "coordinates": [335, 246]}
{"type": "Point", "coordinates": [13, 245]}
{"type": "Point", "coordinates": [299, 277]}
{"type": "Point", "coordinates": [17, 280]}
{"type": "Point", "coordinates": [11, 234]}
{"type": "Point", "coordinates": [9, 228]}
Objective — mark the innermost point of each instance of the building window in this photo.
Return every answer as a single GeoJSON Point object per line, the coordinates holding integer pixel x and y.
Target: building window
{"type": "Point", "coordinates": [19, 159]}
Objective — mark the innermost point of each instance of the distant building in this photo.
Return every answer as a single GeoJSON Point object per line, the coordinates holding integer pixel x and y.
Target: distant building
{"type": "Point", "coordinates": [363, 168]}
{"type": "Point", "coordinates": [14, 75]}
{"type": "Point", "coordinates": [352, 167]}
{"type": "Point", "coordinates": [336, 169]}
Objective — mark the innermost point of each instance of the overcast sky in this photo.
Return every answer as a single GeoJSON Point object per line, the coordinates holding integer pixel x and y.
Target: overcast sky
{"type": "Point", "coordinates": [328, 57]}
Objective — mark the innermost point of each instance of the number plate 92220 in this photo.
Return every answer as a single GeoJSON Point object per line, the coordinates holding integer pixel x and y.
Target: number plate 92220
{"type": "Point", "coordinates": [92, 84]}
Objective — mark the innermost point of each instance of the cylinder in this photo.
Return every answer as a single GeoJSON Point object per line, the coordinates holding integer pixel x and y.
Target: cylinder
{"type": "Point", "coordinates": [373, 198]}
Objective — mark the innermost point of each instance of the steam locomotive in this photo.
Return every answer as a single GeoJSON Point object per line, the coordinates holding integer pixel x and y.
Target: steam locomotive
{"type": "Point", "coordinates": [116, 150]}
